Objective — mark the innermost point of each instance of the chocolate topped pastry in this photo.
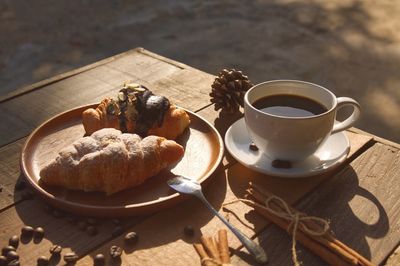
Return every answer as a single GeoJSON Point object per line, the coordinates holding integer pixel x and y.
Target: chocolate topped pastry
{"type": "Point", "coordinates": [137, 110]}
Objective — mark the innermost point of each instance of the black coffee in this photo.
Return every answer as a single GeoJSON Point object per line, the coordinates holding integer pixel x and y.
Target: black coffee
{"type": "Point", "coordinates": [289, 105]}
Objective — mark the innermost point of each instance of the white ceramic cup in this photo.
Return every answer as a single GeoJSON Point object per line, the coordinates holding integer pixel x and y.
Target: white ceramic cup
{"type": "Point", "coordinates": [294, 138]}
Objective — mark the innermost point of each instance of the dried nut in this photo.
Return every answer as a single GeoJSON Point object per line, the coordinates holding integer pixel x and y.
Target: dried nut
{"type": "Point", "coordinates": [7, 249]}
{"type": "Point", "coordinates": [99, 260]}
{"type": "Point", "coordinates": [42, 261]}
{"type": "Point", "coordinates": [55, 250]}
{"type": "Point", "coordinates": [14, 241]}
{"type": "Point", "coordinates": [71, 257]}
{"type": "Point", "coordinates": [115, 252]}
{"type": "Point", "coordinates": [39, 232]}
{"type": "Point", "coordinates": [131, 238]}
{"type": "Point", "coordinates": [188, 230]}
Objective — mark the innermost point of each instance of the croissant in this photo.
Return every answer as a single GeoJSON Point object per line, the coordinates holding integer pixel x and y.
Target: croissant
{"type": "Point", "coordinates": [137, 110]}
{"type": "Point", "coordinates": [110, 161]}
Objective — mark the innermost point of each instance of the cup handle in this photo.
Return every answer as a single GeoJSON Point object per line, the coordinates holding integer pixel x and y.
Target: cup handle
{"type": "Point", "coordinates": [347, 123]}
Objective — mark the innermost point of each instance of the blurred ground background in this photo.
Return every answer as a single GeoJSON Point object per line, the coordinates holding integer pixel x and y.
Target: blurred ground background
{"type": "Point", "coordinates": [351, 47]}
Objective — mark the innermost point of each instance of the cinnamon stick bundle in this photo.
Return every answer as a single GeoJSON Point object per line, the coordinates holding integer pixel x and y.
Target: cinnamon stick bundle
{"type": "Point", "coordinates": [214, 251]}
{"type": "Point", "coordinates": [326, 246]}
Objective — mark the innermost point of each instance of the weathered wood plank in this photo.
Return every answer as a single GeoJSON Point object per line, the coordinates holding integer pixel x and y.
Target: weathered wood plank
{"type": "Point", "coordinates": [362, 205]}
{"type": "Point", "coordinates": [22, 114]}
{"type": "Point", "coordinates": [163, 243]}
{"type": "Point", "coordinates": [58, 231]}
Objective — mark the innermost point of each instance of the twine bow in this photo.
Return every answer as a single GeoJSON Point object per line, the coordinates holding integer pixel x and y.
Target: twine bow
{"type": "Point", "coordinates": [296, 219]}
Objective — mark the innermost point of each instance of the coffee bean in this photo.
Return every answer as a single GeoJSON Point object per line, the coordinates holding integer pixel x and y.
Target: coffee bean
{"type": "Point", "coordinates": [188, 230]}
{"type": "Point", "coordinates": [117, 231]}
{"type": "Point", "coordinates": [55, 250]}
{"type": "Point", "coordinates": [82, 225]}
{"type": "Point", "coordinates": [3, 261]}
{"type": "Point", "coordinates": [12, 255]}
{"type": "Point", "coordinates": [91, 230]}
{"type": "Point", "coordinates": [57, 213]}
{"type": "Point", "coordinates": [131, 238]}
{"type": "Point", "coordinates": [99, 260]}
{"type": "Point", "coordinates": [42, 261]}
{"type": "Point", "coordinates": [71, 257]}
{"type": "Point", "coordinates": [253, 147]}
{"type": "Point", "coordinates": [27, 231]}
{"type": "Point", "coordinates": [38, 233]}
{"type": "Point", "coordinates": [14, 241]}
{"type": "Point", "coordinates": [14, 263]}
{"type": "Point", "coordinates": [115, 252]}
{"type": "Point", "coordinates": [7, 249]}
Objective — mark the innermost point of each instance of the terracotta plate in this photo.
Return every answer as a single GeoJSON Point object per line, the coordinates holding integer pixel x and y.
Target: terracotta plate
{"type": "Point", "coordinates": [203, 153]}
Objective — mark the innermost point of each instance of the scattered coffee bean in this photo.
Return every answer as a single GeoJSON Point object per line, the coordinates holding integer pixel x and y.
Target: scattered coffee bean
{"type": "Point", "coordinates": [14, 263]}
{"type": "Point", "coordinates": [7, 249]}
{"type": "Point", "coordinates": [3, 261]}
{"type": "Point", "coordinates": [27, 231]}
{"type": "Point", "coordinates": [12, 255]}
{"type": "Point", "coordinates": [55, 250]}
{"type": "Point", "coordinates": [20, 185]}
{"type": "Point", "coordinates": [14, 241]}
{"type": "Point", "coordinates": [281, 164]}
{"type": "Point", "coordinates": [91, 230]}
{"type": "Point", "coordinates": [253, 147]}
{"type": "Point", "coordinates": [71, 257]}
{"type": "Point", "coordinates": [115, 252]}
{"type": "Point", "coordinates": [92, 221]}
{"type": "Point", "coordinates": [38, 233]}
{"type": "Point", "coordinates": [82, 225]}
{"type": "Point", "coordinates": [42, 261]}
{"type": "Point", "coordinates": [188, 230]}
{"type": "Point", "coordinates": [117, 231]}
{"type": "Point", "coordinates": [57, 213]}
{"type": "Point", "coordinates": [99, 260]}
{"type": "Point", "coordinates": [131, 238]}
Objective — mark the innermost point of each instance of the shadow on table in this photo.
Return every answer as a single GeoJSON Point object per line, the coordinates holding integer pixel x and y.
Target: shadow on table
{"type": "Point", "coordinates": [354, 213]}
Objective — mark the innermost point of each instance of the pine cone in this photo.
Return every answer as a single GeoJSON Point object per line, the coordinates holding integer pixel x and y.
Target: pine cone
{"type": "Point", "coordinates": [228, 90]}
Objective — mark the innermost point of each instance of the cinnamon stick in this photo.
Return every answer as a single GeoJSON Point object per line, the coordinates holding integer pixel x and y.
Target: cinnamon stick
{"type": "Point", "coordinates": [210, 248]}
{"type": "Point", "coordinates": [328, 240]}
{"type": "Point", "coordinates": [205, 259]}
{"type": "Point", "coordinates": [223, 246]}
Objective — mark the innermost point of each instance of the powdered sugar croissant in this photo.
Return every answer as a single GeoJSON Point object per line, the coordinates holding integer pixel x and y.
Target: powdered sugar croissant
{"type": "Point", "coordinates": [137, 110]}
{"type": "Point", "coordinates": [110, 161]}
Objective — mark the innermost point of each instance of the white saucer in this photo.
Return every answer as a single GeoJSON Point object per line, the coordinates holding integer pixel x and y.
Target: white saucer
{"type": "Point", "coordinates": [332, 153]}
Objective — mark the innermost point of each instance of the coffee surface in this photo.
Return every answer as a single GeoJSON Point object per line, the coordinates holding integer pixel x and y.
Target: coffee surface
{"type": "Point", "coordinates": [289, 105]}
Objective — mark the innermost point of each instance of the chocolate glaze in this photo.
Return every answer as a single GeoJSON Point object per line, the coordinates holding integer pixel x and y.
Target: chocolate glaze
{"type": "Point", "coordinates": [151, 110]}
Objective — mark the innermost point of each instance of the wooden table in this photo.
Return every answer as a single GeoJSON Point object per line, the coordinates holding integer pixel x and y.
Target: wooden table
{"type": "Point", "coordinates": [360, 198]}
